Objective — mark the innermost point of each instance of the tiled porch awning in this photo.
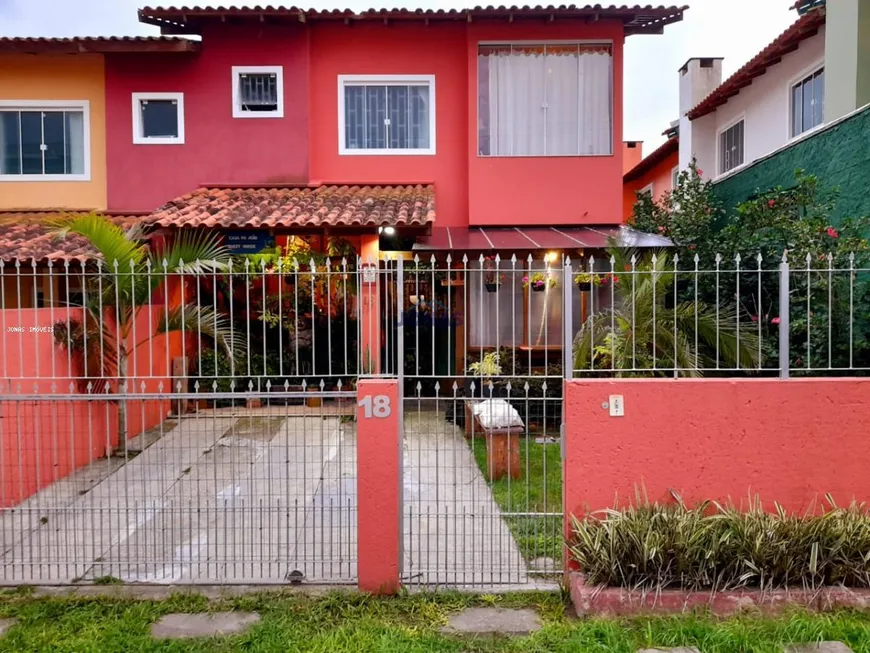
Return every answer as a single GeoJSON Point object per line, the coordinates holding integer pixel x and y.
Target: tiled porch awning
{"type": "Point", "coordinates": [31, 236]}
{"type": "Point", "coordinates": [510, 239]}
{"type": "Point", "coordinates": [300, 207]}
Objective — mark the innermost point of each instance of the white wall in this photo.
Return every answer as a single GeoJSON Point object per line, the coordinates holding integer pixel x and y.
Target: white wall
{"type": "Point", "coordinates": [765, 106]}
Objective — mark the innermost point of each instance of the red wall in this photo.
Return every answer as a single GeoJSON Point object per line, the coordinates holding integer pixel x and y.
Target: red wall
{"type": "Point", "coordinates": [218, 148]}
{"type": "Point", "coordinates": [786, 441]}
{"type": "Point", "coordinates": [469, 189]}
{"type": "Point", "coordinates": [661, 177]}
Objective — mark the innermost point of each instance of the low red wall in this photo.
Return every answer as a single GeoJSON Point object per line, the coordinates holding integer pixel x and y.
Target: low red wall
{"type": "Point", "coordinates": [785, 441]}
{"type": "Point", "coordinates": [44, 440]}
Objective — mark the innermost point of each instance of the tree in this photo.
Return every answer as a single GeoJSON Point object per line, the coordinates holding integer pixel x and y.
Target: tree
{"type": "Point", "coordinates": [641, 336]}
{"type": "Point", "coordinates": [128, 274]}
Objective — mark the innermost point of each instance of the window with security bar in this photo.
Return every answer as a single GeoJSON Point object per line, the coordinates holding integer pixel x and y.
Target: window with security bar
{"type": "Point", "coordinates": [43, 142]}
{"type": "Point", "coordinates": [731, 150]}
{"type": "Point", "coordinates": [258, 92]}
{"type": "Point", "coordinates": [547, 99]}
{"type": "Point", "coordinates": [387, 115]}
{"type": "Point", "coordinates": [808, 103]}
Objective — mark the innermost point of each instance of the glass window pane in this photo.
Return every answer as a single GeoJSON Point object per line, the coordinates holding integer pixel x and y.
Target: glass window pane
{"type": "Point", "coordinates": [376, 114]}
{"type": "Point", "coordinates": [54, 139]}
{"type": "Point", "coordinates": [484, 120]}
{"type": "Point", "coordinates": [159, 118]}
{"type": "Point", "coordinates": [31, 140]}
{"type": "Point", "coordinates": [739, 143]}
{"type": "Point", "coordinates": [398, 129]}
{"type": "Point", "coordinates": [75, 142]}
{"type": "Point", "coordinates": [10, 143]}
{"type": "Point", "coordinates": [258, 91]}
{"type": "Point", "coordinates": [808, 104]}
{"type": "Point", "coordinates": [796, 107]}
{"type": "Point", "coordinates": [419, 117]}
{"type": "Point", "coordinates": [563, 102]}
{"type": "Point", "coordinates": [354, 117]}
{"type": "Point", "coordinates": [819, 98]}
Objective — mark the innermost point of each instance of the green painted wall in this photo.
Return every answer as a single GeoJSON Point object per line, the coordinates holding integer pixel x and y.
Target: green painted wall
{"type": "Point", "coordinates": [839, 156]}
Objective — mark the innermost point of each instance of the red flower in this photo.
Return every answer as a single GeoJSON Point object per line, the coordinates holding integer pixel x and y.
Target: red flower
{"type": "Point", "coordinates": [775, 320]}
{"type": "Point", "coordinates": [833, 232]}
{"type": "Point", "coordinates": [771, 203]}
{"type": "Point", "coordinates": [700, 172]}
{"type": "Point", "coordinates": [691, 248]}
{"type": "Point", "coordinates": [754, 318]}
{"type": "Point", "coordinates": [661, 229]}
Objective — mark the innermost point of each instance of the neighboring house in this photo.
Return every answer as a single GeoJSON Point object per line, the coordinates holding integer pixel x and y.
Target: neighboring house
{"type": "Point", "coordinates": [813, 74]}
{"type": "Point", "coordinates": [655, 174]}
{"type": "Point", "coordinates": [447, 131]}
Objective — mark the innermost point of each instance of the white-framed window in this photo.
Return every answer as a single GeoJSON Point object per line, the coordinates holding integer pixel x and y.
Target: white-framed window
{"type": "Point", "coordinates": [545, 99]}
{"type": "Point", "coordinates": [808, 103]}
{"type": "Point", "coordinates": [45, 140]}
{"type": "Point", "coordinates": [731, 149]}
{"type": "Point", "coordinates": [675, 177]}
{"type": "Point", "coordinates": [158, 118]}
{"type": "Point", "coordinates": [386, 114]}
{"type": "Point", "coordinates": [648, 189]}
{"type": "Point", "coordinates": [258, 91]}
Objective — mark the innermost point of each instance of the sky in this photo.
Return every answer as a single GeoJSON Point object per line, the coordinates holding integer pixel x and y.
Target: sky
{"type": "Point", "coordinates": [733, 29]}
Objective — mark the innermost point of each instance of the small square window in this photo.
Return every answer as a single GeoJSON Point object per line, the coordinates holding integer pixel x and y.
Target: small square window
{"type": "Point", "coordinates": [158, 118]}
{"type": "Point", "coordinates": [648, 190]}
{"type": "Point", "coordinates": [258, 92]}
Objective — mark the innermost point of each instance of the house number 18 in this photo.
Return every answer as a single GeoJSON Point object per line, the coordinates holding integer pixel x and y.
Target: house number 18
{"type": "Point", "coordinates": [377, 406]}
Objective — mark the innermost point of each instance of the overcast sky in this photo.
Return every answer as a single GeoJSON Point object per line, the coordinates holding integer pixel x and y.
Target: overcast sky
{"type": "Point", "coordinates": [734, 29]}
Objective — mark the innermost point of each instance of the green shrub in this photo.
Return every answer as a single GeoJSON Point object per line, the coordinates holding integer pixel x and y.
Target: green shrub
{"type": "Point", "coordinates": [652, 546]}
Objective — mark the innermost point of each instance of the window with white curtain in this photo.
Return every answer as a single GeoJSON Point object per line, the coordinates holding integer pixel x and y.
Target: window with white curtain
{"type": "Point", "coordinates": [386, 114]}
{"type": "Point", "coordinates": [552, 99]}
{"type": "Point", "coordinates": [46, 141]}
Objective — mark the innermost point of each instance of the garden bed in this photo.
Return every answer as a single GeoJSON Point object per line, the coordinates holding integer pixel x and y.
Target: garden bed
{"type": "Point", "coordinates": [598, 601]}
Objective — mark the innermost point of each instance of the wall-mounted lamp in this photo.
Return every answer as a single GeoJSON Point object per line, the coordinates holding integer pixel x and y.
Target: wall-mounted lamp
{"type": "Point", "coordinates": [387, 231]}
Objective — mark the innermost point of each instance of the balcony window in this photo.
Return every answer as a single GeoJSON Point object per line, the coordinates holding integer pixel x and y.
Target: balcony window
{"type": "Point", "coordinates": [45, 141]}
{"type": "Point", "coordinates": [545, 100]}
{"type": "Point", "coordinates": [386, 115]}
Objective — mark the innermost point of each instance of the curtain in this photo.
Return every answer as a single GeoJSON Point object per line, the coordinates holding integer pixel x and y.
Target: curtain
{"type": "Point", "coordinates": [495, 318]}
{"type": "Point", "coordinates": [544, 100]}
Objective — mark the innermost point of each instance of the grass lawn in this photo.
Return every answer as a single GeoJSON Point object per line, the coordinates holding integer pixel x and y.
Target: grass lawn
{"type": "Point", "coordinates": [539, 489]}
{"type": "Point", "coordinates": [345, 622]}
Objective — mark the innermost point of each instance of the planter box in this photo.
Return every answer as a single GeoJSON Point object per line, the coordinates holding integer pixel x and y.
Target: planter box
{"type": "Point", "coordinates": [594, 601]}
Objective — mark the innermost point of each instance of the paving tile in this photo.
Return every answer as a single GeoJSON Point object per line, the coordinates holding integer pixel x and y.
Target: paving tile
{"type": "Point", "coordinates": [493, 621]}
{"type": "Point", "coordinates": [187, 625]}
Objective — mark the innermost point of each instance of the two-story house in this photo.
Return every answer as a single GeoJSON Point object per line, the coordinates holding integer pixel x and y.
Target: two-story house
{"type": "Point", "coordinates": [455, 132]}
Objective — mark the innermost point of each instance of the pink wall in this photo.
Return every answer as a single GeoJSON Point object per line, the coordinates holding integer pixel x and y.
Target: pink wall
{"type": "Point", "coordinates": [469, 189]}
{"type": "Point", "coordinates": [368, 49]}
{"type": "Point", "coordinates": [661, 177]}
{"type": "Point", "coordinates": [786, 441]}
{"type": "Point", "coordinates": [545, 190]}
{"type": "Point", "coordinates": [218, 148]}
{"type": "Point", "coordinates": [43, 440]}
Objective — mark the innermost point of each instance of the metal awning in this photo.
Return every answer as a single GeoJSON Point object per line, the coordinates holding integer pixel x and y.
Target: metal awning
{"type": "Point", "coordinates": [535, 238]}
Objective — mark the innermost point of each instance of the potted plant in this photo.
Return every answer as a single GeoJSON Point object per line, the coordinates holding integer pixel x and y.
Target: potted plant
{"type": "Point", "coordinates": [586, 280]}
{"type": "Point", "coordinates": [492, 278]}
{"type": "Point", "coordinates": [539, 281]}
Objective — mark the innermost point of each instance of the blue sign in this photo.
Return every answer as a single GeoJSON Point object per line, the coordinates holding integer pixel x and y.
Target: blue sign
{"type": "Point", "coordinates": [248, 242]}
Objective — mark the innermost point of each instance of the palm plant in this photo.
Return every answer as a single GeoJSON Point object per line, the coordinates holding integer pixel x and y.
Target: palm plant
{"type": "Point", "coordinates": [129, 274]}
{"type": "Point", "coordinates": [640, 335]}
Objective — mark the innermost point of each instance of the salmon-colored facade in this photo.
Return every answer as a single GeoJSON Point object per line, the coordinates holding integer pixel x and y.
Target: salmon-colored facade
{"type": "Point", "coordinates": [655, 173]}
{"type": "Point", "coordinates": [58, 78]}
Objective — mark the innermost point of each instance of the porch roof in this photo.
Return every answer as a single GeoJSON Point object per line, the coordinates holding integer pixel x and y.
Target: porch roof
{"type": "Point", "coordinates": [30, 236]}
{"type": "Point", "coordinates": [509, 239]}
{"type": "Point", "coordinates": [304, 206]}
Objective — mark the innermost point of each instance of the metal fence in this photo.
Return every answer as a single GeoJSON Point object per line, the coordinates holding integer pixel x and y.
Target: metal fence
{"type": "Point", "coordinates": [195, 422]}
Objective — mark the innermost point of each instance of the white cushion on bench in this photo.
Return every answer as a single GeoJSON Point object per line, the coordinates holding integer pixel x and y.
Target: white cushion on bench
{"type": "Point", "coordinates": [496, 414]}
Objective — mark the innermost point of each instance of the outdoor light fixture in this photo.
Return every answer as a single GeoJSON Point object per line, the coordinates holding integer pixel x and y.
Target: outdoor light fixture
{"type": "Point", "coordinates": [551, 256]}
{"type": "Point", "coordinates": [389, 231]}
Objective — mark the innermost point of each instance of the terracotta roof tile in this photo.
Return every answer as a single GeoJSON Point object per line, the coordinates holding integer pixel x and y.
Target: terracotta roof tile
{"type": "Point", "coordinates": [82, 44]}
{"type": "Point", "coordinates": [28, 235]}
{"type": "Point", "coordinates": [329, 205]}
{"type": "Point", "coordinates": [803, 28]}
{"type": "Point", "coordinates": [637, 18]}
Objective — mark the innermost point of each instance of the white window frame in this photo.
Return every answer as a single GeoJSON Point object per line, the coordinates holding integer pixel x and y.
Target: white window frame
{"type": "Point", "coordinates": [719, 132]}
{"type": "Point", "coordinates": [386, 80]}
{"type": "Point", "coordinates": [675, 177]}
{"type": "Point", "coordinates": [139, 138]}
{"type": "Point", "coordinates": [649, 188]}
{"type": "Point", "coordinates": [56, 105]}
{"type": "Point", "coordinates": [798, 79]}
{"type": "Point", "coordinates": [278, 71]}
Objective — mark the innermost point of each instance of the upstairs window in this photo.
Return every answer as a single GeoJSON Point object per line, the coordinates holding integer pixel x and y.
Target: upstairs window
{"type": "Point", "coordinates": [158, 118]}
{"type": "Point", "coordinates": [545, 100]}
{"type": "Point", "coordinates": [808, 103]}
{"type": "Point", "coordinates": [47, 141]}
{"type": "Point", "coordinates": [731, 148]}
{"type": "Point", "coordinates": [386, 114]}
{"type": "Point", "coordinates": [258, 92]}
{"type": "Point", "coordinates": [675, 177]}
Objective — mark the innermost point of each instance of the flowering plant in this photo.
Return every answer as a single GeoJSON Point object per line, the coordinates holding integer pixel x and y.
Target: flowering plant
{"type": "Point", "coordinates": [538, 281]}
{"type": "Point", "coordinates": [588, 278]}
